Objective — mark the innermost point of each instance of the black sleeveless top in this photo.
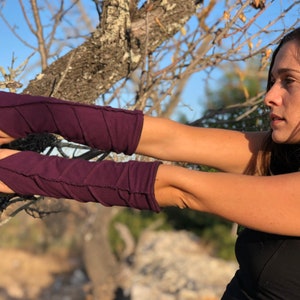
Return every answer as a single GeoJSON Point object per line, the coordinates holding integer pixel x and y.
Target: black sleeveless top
{"type": "Point", "coordinates": [269, 264]}
{"type": "Point", "coordinates": [269, 267]}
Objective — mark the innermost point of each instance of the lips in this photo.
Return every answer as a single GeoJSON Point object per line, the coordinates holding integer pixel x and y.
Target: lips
{"type": "Point", "coordinates": [276, 119]}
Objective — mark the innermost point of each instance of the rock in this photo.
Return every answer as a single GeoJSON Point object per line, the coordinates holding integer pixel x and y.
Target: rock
{"type": "Point", "coordinates": [175, 266]}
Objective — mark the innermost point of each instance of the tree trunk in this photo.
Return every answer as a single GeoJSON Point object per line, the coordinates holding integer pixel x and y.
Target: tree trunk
{"type": "Point", "coordinates": [121, 40]}
{"type": "Point", "coordinates": [99, 260]}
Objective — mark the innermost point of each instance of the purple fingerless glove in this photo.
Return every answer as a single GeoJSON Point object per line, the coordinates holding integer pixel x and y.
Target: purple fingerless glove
{"type": "Point", "coordinates": [128, 184]}
{"type": "Point", "coordinates": [101, 127]}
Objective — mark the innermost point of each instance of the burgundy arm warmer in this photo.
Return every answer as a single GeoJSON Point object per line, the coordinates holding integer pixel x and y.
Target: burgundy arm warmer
{"type": "Point", "coordinates": [128, 184]}
{"type": "Point", "coordinates": [100, 127]}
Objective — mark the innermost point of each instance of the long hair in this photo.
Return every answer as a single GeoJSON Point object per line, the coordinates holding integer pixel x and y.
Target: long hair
{"type": "Point", "coordinates": [280, 158]}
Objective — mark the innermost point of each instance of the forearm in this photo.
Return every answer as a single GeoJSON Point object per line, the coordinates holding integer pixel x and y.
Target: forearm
{"type": "Point", "coordinates": [269, 204]}
{"type": "Point", "coordinates": [126, 131]}
{"type": "Point", "coordinates": [101, 127]}
{"type": "Point", "coordinates": [226, 150]}
{"type": "Point", "coordinates": [128, 184]}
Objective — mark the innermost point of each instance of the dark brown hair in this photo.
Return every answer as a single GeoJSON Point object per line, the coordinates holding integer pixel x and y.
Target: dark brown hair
{"type": "Point", "coordinates": [280, 158]}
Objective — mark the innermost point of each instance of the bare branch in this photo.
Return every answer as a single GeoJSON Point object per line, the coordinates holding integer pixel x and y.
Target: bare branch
{"type": "Point", "coordinates": [10, 79]}
{"type": "Point", "coordinates": [40, 35]}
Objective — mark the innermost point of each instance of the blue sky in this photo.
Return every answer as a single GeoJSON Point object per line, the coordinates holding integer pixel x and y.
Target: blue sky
{"type": "Point", "coordinates": [194, 92]}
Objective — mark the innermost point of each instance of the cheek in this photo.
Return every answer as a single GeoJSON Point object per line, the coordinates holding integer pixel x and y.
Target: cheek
{"type": "Point", "coordinates": [292, 107]}
{"type": "Point", "coordinates": [293, 98]}
{"type": "Point", "coordinates": [294, 119]}
{"type": "Point", "coordinates": [294, 127]}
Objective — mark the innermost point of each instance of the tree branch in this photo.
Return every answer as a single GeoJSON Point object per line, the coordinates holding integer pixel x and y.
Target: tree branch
{"type": "Point", "coordinates": [92, 71]}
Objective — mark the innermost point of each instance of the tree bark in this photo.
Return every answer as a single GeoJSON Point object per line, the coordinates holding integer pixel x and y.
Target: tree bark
{"type": "Point", "coordinates": [121, 39]}
{"type": "Point", "coordinates": [100, 263]}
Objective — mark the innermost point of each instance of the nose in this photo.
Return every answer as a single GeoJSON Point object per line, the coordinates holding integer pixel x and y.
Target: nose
{"type": "Point", "coordinates": [273, 96]}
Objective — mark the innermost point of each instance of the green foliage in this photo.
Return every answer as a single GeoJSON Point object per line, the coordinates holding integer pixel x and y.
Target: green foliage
{"type": "Point", "coordinates": [234, 104]}
{"type": "Point", "coordinates": [221, 238]}
{"type": "Point", "coordinates": [137, 222]}
{"type": "Point", "coordinates": [236, 86]}
{"type": "Point", "coordinates": [213, 230]}
{"type": "Point", "coordinates": [227, 118]}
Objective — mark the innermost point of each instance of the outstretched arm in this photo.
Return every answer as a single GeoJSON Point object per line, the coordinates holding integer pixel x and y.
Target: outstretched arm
{"type": "Point", "coordinates": [226, 150]}
{"type": "Point", "coordinates": [270, 204]}
{"type": "Point", "coordinates": [128, 184]}
{"type": "Point", "coordinates": [126, 131]}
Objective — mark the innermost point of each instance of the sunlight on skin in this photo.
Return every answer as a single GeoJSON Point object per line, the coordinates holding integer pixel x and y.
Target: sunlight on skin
{"type": "Point", "coordinates": [5, 138]}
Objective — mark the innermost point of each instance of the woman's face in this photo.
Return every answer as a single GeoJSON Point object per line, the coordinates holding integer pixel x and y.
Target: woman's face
{"type": "Point", "coordinates": [283, 98]}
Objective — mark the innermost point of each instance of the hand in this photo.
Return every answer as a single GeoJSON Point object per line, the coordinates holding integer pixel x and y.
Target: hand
{"type": "Point", "coordinates": [5, 138]}
{"type": "Point", "coordinates": [3, 154]}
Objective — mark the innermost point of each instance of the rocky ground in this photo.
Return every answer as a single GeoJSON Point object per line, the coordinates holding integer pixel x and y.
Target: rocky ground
{"type": "Point", "coordinates": [166, 266]}
{"type": "Point", "coordinates": [29, 276]}
{"type": "Point", "coordinates": [176, 266]}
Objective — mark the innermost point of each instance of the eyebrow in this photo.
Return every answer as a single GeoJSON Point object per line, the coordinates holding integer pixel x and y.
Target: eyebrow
{"type": "Point", "coordinates": [285, 70]}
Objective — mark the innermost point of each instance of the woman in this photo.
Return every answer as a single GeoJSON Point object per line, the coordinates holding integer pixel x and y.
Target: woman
{"type": "Point", "coordinates": [245, 192]}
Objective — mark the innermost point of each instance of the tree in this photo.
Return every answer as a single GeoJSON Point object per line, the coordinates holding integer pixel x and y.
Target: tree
{"type": "Point", "coordinates": [157, 45]}
{"type": "Point", "coordinates": [237, 102]}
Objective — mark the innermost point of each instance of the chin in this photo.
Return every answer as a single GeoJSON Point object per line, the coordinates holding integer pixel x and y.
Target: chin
{"type": "Point", "coordinates": [280, 139]}
{"type": "Point", "coordinates": [285, 140]}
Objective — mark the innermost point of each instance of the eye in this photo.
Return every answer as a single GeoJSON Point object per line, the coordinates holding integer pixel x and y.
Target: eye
{"type": "Point", "coordinates": [288, 80]}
